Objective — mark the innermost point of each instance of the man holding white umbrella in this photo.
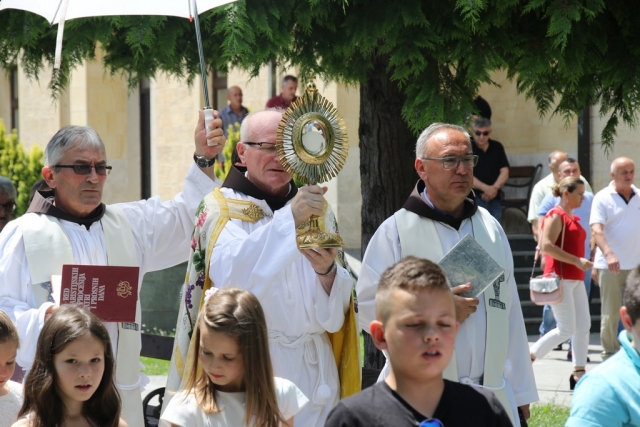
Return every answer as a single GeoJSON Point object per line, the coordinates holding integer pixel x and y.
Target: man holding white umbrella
{"type": "Point", "coordinates": [71, 225]}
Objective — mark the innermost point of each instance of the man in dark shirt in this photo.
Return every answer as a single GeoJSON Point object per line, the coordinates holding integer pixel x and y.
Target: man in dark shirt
{"type": "Point", "coordinates": [492, 170]}
{"type": "Point", "coordinates": [288, 94]}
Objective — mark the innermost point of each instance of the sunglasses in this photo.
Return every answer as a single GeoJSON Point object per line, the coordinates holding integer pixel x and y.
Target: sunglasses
{"type": "Point", "coordinates": [485, 133]}
{"type": "Point", "coordinates": [102, 170]}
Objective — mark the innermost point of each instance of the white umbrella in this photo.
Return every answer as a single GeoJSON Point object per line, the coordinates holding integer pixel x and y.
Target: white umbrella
{"type": "Point", "coordinates": [57, 11]}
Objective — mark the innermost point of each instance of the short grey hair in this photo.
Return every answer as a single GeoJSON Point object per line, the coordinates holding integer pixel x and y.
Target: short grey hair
{"type": "Point", "coordinates": [553, 154]}
{"type": "Point", "coordinates": [71, 136]}
{"type": "Point", "coordinates": [614, 163]}
{"type": "Point", "coordinates": [7, 187]}
{"type": "Point", "coordinates": [481, 122]}
{"type": "Point", "coordinates": [423, 139]}
{"type": "Point", "coordinates": [289, 78]}
{"type": "Point", "coordinates": [245, 126]}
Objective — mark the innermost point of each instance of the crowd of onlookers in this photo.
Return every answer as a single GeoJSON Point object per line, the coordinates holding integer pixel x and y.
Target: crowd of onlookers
{"type": "Point", "coordinates": [583, 238]}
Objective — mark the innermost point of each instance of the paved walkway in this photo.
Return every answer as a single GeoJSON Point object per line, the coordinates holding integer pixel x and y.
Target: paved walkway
{"type": "Point", "coordinates": [552, 372]}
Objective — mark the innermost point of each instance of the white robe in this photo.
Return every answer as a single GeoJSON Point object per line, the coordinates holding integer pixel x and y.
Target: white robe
{"type": "Point", "coordinates": [384, 250]}
{"type": "Point", "coordinates": [162, 234]}
{"type": "Point", "coordinates": [263, 258]}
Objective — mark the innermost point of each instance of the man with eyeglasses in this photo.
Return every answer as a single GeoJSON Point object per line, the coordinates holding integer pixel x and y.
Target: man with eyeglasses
{"type": "Point", "coordinates": [71, 225]}
{"type": "Point", "coordinates": [491, 349]}
{"type": "Point", "coordinates": [7, 201]}
{"type": "Point", "coordinates": [492, 170]}
{"type": "Point", "coordinates": [246, 237]}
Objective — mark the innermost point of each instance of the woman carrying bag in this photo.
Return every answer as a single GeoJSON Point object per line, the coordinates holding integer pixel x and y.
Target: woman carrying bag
{"type": "Point", "coordinates": [563, 246]}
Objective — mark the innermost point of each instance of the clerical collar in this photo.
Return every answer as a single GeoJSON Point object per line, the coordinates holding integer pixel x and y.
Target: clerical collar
{"type": "Point", "coordinates": [42, 203]}
{"type": "Point", "coordinates": [237, 181]}
{"type": "Point", "coordinates": [419, 204]}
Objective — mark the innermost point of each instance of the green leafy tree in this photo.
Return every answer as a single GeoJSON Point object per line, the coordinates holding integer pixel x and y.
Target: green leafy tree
{"type": "Point", "coordinates": [415, 61]}
{"type": "Point", "coordinates": [22, 167]}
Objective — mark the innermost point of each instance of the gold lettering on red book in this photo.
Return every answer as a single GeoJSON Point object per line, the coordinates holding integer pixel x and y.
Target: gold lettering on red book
{"type": "Point", "coordinates": [81, 297]}
{"type": "Point", "coordinates": [74, 285]}
{"type": "Point", "coordinates": [94, 293]}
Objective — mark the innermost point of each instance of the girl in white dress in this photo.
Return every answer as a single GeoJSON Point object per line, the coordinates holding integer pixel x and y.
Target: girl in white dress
{"type": "Point", "coordinates": [10, 392]}
{"type": "Point", "coordinates": [231, 383]}
{"type": "Point", "coordinates": [71, 380]}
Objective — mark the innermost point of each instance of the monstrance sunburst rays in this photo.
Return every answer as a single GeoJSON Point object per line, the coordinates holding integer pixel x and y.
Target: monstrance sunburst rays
{"type": "Point", "coordinates": [312, 146]}
{"type": "Point", "coordinates": [312, 109]}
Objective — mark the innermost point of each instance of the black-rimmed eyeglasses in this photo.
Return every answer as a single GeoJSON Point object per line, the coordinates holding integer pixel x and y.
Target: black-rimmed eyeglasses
{"type": "Point", "coordinates": [8, 207]}
{"type": "Point", "coordinates": [86, 169]}
{"type": "Point", "coordinates": [265, 146]}
{"type": "Point", "coordinates": [452, 162]}
{"type": "Point", "coordinates": [485, 133]}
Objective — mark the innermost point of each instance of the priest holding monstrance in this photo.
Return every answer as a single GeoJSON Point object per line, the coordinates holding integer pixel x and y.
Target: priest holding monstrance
{"type": "Point", "coordinates": [247, 236]}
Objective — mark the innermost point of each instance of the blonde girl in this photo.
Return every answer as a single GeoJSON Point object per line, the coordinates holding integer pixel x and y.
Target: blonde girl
{"type": "Point", "coordinates": [232, 383]}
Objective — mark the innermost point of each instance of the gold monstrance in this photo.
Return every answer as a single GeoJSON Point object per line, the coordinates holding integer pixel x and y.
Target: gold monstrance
{"type": "Point", "coordinates": [312, 145]}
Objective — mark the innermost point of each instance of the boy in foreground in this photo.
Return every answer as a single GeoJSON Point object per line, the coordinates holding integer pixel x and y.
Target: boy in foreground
{"type": "Point", "coordinates": [416, 325]}
{"type": "Point", "coordinates": [609, 395]}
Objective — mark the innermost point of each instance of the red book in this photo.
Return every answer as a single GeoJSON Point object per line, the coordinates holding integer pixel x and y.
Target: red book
{"type": "Point", "coordinates": [110, 292]}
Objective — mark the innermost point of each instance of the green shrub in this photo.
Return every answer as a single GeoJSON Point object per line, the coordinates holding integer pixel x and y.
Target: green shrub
{"type": "Point", "coordinates": [21, 167]}
{"type": "Point", "coordinates": [233, 136]}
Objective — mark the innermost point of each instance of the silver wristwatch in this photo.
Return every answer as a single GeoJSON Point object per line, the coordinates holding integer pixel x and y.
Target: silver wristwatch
{"type": "Point", "coordinates": [203, 162]}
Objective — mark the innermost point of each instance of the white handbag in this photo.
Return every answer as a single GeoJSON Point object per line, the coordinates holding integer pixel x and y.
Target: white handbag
{"type": "Point", "coordinates": [546, 290]}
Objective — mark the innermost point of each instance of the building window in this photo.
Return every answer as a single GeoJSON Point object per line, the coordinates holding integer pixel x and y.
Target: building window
{"type": "Point", "coordinates": [145, 138]}
{"type": "Point", "coordinates": [15, 118]}
{"type": "Point", "coordinates": [219, 89]}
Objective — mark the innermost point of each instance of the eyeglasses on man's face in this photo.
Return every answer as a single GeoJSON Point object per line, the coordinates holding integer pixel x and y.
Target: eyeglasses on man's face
{"type": "Point", "coordinates": [102, 170]}
{"type": "Point", "coordinates": [485, 133]}
{"type": "Point", "coordinates": [268, 147]}
{"type": "Point", "coordinates": [452, 162]}
{"type": "Point", "coordinates": [8, 207]}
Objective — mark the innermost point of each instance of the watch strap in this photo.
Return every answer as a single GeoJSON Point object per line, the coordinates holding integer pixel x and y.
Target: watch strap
{"type": "Point", "coordinates": [203, 162]}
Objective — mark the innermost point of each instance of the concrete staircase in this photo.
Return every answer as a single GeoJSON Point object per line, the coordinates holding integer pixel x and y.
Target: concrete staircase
{"type": "Point", "coordinates": [522, 248]}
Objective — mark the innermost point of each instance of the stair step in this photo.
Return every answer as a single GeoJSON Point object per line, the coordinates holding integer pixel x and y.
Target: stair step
{"type": "Point", "coordinates": [521, 242]}
{"type": "Point", "coordinates": [522, 253]}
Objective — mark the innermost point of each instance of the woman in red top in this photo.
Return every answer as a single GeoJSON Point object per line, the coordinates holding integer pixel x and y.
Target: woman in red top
{"type": "Point", "coordinates": [566, 259]}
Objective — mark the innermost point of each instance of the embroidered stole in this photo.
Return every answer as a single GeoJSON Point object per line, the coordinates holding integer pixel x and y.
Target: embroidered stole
{"type": "Point", "coordinates": [211, 217]}
{"type": "Point", "coordinates": [48, 247]}
{"type": "Point", "coordinates": [419, 237]}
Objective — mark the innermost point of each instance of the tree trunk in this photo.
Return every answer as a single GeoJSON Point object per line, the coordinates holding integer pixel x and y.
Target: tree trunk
{"type": "Point", "coordinates": [387, 153]}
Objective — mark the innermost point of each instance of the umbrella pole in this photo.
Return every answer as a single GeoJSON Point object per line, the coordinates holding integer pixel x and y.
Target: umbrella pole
{"type": "Point", "coordinates": [208, 111]}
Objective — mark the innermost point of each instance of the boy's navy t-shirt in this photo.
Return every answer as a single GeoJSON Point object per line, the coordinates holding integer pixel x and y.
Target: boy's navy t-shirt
{"type": "Point", "coordinates": [379, 406]}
